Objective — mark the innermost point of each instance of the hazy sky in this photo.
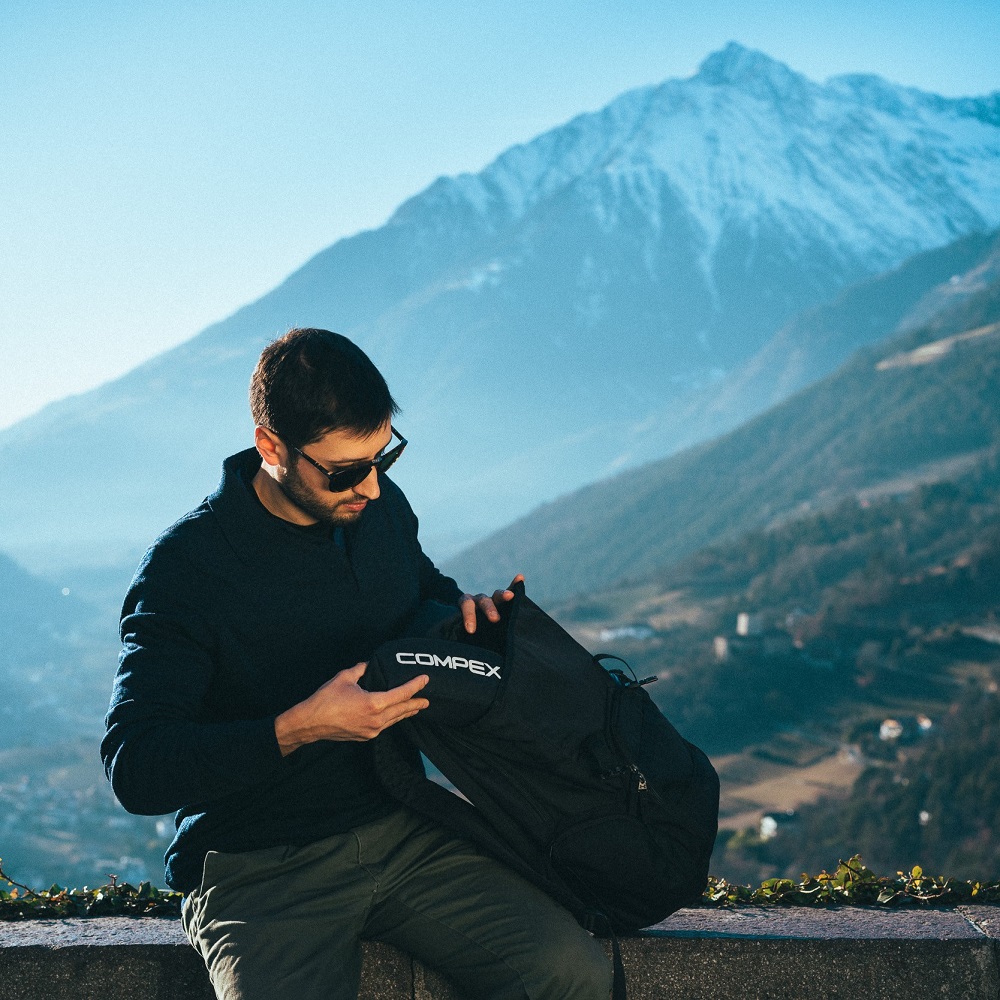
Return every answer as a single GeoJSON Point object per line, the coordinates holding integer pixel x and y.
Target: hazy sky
{"type": "Point", "coordinates": [165, 163]}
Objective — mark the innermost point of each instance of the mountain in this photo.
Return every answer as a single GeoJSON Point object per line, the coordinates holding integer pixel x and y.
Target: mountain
{"type": "Point", "coordinates": [537, 319]}
{"type": "Point", "coordinates": [58, 817]}
{"type": "Point", "coordinates": [918, 408]}
{"type": "Point", "coordinates": [817, 341]}
{"type": "Point", "coordinates": [57, 661]}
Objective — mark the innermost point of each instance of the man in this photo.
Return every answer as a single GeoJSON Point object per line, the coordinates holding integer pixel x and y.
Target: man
{"type": "Point", "coordinates": [237, 704]}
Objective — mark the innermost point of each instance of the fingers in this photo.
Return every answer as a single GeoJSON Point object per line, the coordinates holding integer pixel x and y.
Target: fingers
{"type": "Point", "coordinates": [467, 603]}
{"type": "Point", "coordinates": [406, 691]}
{"type": "Point", "coordinates": [382, 701]}
{"type": "Point", "coordinates": [486, 604]}
{"type": "Point", "coordinates": [505, 595]}
{"type": "Point", "coordinates": [488, 607]}
{"type": "Point", "coordinates": [348, 677]}
{"type": "Point", "coordinates": [342, 710]}
{"type": "Point", "coordinates": [398, 703]}
{"type": "Point", "coordinates": [405, 711]}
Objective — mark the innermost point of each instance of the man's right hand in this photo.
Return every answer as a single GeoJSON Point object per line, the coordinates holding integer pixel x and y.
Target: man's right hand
{"type": "Point", "coordinates": [342, 710]}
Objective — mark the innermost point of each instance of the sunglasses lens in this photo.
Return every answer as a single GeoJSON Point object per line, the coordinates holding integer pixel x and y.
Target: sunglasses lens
{"type": "Point", "coordinates": [387, 460]}
{"type": "Point", "coordinates": [347, 479]}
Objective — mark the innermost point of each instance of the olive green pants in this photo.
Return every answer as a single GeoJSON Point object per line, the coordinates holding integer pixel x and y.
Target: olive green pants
{"type": "Point", "coordinates": [287, 922]}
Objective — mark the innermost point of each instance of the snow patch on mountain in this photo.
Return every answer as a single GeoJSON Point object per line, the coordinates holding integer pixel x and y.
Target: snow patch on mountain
{"type": "Point", "coordinates": [882, 170]}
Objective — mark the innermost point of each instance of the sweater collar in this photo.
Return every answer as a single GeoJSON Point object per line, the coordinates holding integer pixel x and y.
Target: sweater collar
{"type": "Point", "coordinates": [247, 524]}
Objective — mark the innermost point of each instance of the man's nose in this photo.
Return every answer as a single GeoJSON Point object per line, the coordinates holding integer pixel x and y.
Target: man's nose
{"type": "Point", "coordinates": [368, 487]}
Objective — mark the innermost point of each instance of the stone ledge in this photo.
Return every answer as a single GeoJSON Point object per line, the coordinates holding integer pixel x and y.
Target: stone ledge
{"type": "Point", "coordinates": [700, 954]}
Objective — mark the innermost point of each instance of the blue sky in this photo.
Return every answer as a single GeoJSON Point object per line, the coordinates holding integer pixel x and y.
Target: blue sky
{"type": "Point", "coordinates": [166, 163]}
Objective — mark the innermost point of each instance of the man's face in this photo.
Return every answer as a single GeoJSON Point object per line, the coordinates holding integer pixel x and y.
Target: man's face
{"type": "Point", "coordinates": [307, 488]}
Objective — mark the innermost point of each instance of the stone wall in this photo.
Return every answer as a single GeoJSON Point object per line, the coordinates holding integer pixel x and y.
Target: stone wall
{"type": "Point", "coordinates": [701, 954]}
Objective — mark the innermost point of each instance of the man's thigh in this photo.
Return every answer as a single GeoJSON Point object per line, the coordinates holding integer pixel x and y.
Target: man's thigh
{"type": "Point", "coordinates": [282, 922]}
{"type": "Point", "coordinates": [490, 931]}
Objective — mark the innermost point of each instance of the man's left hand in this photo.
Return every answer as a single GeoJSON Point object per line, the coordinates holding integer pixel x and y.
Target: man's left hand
{"type": "Point", "coordinates": [488, 605]}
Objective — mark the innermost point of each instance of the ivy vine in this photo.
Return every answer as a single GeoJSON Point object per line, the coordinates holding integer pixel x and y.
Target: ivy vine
{"type": "Point", "coordinates": [117, 899]}
{"type": "Point", "coordinates": [854, 884]}
{"type": "Point", "coordinates": [851, 883]}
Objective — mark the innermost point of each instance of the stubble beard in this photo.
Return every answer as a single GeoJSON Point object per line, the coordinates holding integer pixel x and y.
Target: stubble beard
{"type": "Point", "coordinates": [301, 496]}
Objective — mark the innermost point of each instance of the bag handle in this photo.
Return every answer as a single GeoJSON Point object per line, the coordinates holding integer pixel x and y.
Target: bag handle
{"type": "Point", "coordinates": [625, 680]}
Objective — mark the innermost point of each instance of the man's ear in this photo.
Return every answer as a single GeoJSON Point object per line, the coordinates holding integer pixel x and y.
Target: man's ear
{"type": "Point", "coordinates": [270, 447]}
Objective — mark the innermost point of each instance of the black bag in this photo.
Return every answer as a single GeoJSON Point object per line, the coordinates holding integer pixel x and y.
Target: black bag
{"type": "Point", "coordinates": [572, 775]}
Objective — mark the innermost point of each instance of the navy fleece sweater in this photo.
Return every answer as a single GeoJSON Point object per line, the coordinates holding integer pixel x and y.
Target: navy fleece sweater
{"type": "Point", "coordinates": [234, 616]}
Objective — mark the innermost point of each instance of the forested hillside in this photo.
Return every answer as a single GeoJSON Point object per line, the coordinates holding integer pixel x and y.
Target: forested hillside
{"type": "Point", "coordinates": [936, 803]}
{"type": "Point", "coordinates": [876, 609]}
{"type": "Point", "coordinates": [887, 419]}
{"type": "Point", "coordinates": [867, 602]}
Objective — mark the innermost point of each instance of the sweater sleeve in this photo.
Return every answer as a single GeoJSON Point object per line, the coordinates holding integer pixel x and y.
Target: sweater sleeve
{"type": "Point", "coordinates": [159, 751]}
{"type": "Point", "coordinates": [434, 585]}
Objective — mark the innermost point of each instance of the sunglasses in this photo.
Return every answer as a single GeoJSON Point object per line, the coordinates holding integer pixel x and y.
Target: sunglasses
{"type": "Point", "coordinates": [340, 480]}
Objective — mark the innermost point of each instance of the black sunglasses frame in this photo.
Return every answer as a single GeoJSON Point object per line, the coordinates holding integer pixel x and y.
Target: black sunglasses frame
{"type": "Point", "coordinates": [341, 480]}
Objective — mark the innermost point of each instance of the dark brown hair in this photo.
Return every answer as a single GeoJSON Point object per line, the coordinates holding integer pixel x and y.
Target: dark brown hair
{"type": "Point", "coordinates": [310, 382]}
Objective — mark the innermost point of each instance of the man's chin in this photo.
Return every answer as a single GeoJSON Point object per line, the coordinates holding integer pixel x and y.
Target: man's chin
{"type": "Point", "coordinates": [344, 516]}
{"type": "Point", "coordinates": [339, 515]}
{"type": "Point", "coordinates": [352, 510]}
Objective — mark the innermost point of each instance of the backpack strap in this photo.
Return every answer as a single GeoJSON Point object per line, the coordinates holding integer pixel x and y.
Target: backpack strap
{"type": "Point", "coordinates": [599, 925]}
{"type": "Point", "coordinates": [397, 763]}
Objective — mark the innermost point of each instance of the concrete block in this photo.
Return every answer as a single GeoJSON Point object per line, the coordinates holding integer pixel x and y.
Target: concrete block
{"type": "Point", "coordinates": [754, 953]}
{"type": "Point", "coordinates": [115, 958]}
{"type": "Point", "coordinates": [431, 985]}
{"type": "Point", "coordinates": [774, 953]}
{"type": "Point", "coordinates": [387, 974]}
{"type": "Point", "coordinates": [789, 969]}
{"type": "Point", "coordinates": [862, 923]}
{"type": "Point", "coordinates": [122, 958]}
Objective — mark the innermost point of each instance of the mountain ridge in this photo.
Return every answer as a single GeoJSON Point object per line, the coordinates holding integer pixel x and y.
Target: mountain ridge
{"type": "Point", "coordinates": [815, 342]}
{"type": "Point", "coordinates": [649, 248]}
{"type": "Point", "coordinates": [850, 431]}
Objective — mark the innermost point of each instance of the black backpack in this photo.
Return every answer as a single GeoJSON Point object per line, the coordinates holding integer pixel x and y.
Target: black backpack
{"type": "Point", "coordinates": [572, 775]}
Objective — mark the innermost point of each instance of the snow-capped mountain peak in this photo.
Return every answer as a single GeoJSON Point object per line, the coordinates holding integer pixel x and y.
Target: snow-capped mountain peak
{"type": "Point", "coordinates": [747, 139]}
{"type": "Point", "coordinates": [580, 283]}
{"type": "Point", "coordinates": [751, 71]}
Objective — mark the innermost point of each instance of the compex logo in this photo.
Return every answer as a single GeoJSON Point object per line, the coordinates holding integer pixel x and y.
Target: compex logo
{"type": "Point", "coordinates": [479, 667]}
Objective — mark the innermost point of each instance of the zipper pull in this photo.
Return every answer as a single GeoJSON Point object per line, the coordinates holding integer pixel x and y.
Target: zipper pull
{"type": "Point", "coordinates": [635, 789]}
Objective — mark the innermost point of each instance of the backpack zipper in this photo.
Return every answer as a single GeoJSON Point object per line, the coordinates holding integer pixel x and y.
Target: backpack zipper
{"type": "Point", "coordinates": [636, 786]}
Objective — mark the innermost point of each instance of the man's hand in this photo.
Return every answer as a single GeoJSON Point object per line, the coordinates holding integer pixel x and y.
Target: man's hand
{"type": "Point", "coordinates": [488, 605]}
{"type": "Point", "coordinates": [342, 710]}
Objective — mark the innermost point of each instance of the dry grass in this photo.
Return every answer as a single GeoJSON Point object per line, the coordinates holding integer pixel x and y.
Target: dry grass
{"type": "Point", "coordinates": [752, 786]}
